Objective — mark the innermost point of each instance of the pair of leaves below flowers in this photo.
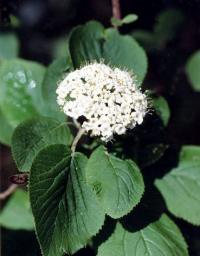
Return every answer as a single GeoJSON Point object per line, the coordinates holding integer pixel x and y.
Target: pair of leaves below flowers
{"type": "Point", "coordinates": [67, 212]}
{"type": "Point", "coordinates": [70, 195]}
{"type": "Point", "coordinates": [64, 204]}
{"type": "Point", "coordinates": [58, 180]}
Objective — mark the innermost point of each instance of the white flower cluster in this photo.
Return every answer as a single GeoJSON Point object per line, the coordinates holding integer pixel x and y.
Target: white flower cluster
{"type": "Point", "coordinates": [106, 97]}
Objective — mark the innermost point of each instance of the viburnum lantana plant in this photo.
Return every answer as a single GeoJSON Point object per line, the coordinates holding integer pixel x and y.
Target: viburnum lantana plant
{"type": "Point", "coordinates": [88, 144]}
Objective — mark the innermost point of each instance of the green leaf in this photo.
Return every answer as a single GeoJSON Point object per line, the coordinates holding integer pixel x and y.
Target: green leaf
{"type": "Point", "coordinates": [159, 238]}
{"type": "Point", "coordinates": [55, 72]}
{"type": "Point", "coordinates": [168, 24]}
{"type": "Point", "coordinates": [146, 39]}
{"type": "Point", "coordinates": [117, 183]}
{"type": "Point", "coordinates": [85, 43]}
{"type": "Point", "coordinates": [126, 20]}
{"type": "Point", "coordinates": [180, 189]}
{"type": "Point", "coordinates": [129, 18]}
{"type": "Point", "coordinates": [33, 135]}
{"type": "Point", "coordinates": [20, 90]}
{"type": "Point", "coordinates": [65, 209]}
{"type": "Point", "coordinates": [189, 153]}
{"type": "Point", "coordinates": [124, 51]}
{"type": "Point", "coordinates": [92, 42]}
{"type": "Point", "coordinates": [16, 214]}
{"type": "Point", "coordinates": [15, 21]}
{"type": "Point", "coordinates": [193, 70]}
{"type": "Point", "coordinates": [9, 46]}
{"type": "Point", "coordinates": [61, 47]}
{"type": "Point", "coordinates": [162, 109]}
{"type": "Point", "coordinates": [5, 130]}
{"type": "Point", "coordinates": [116, 22]}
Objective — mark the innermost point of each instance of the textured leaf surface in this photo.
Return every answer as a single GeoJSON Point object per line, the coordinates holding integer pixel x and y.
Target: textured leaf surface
{"type": "Point", "coordinates": [20, 90]}
{"type": "Point", "coordinates": [118, 183]}
{"type": "Point", "coordinates": [33, 135]}
{"type": "Point", "coordinates": [91, 42]}
{"type": "Point", "coordinates": [85, 43]}
{"type": "Point", "coordinates": [17, 214]}
{"type": "Point", "coordinates": [162, 109]}
{"type": "Point", "coordinates": [9, 46]}
{"type": "Point", "coordinates": [180, 189]}
{"type": "Point", "coordinates": [161, 238]}
{"type": "Point", "coordinates": [193, 70]}
{"type": "Point", "coordinates": [124, 51]}
{"type": "Point", "coordinates": [65, 209]}
{"type": "Point", "coordinates": [55, 72]}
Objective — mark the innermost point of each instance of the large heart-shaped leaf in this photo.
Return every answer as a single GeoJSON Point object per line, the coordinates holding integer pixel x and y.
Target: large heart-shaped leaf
{"type": "Point", "coordinates": [65, 208]}
{"type": "Point", "coordinates": [33, 135]}
{"type": "Point", "coordinates": [118, 183]}
{"type": "Point", "coordinates": [20, 90]}
{"type": "Point", "coordinates": [91, 42]}
{"type": "Point", "coordinates": [85, 43]}
{"type": "Point", "coordinates": [16, 214]}
{"type": "Point", "coordinates": [180, 189]}
{"type": "Point", "coordinates": [157, 239]}
{"type": "Point", "coordinates": [125, 52]}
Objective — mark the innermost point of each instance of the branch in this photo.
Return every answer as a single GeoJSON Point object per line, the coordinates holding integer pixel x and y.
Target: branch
{"type": "Point", "coordinates": [116, 11]}
{"type": "Point", "coordinates": [8, 191]}
{"type": "Point", "coordinates": [76, 139]}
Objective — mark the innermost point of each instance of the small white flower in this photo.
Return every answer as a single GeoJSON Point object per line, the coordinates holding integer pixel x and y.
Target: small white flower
{"type": "Point", "coordinates": [107, 97]}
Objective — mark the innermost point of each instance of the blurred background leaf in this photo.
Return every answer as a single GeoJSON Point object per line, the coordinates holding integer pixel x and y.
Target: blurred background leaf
{"type": "Point", "coordinates": [20, 90]}
{"type": "Point", "coordinates": [162, 109]}
{"type": "Point", "coordinates": [180, 187]}
{"type": "Point", "coordinates": [16, 214]}
{"type": "Point", "coordinates": [9, 46]}
{"type": "Point", "coordinates": [193, 70]}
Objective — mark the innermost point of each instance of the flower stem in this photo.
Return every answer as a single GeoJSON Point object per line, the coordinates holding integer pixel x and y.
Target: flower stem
{"type": "Point", "coordinates": [79, 134]}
